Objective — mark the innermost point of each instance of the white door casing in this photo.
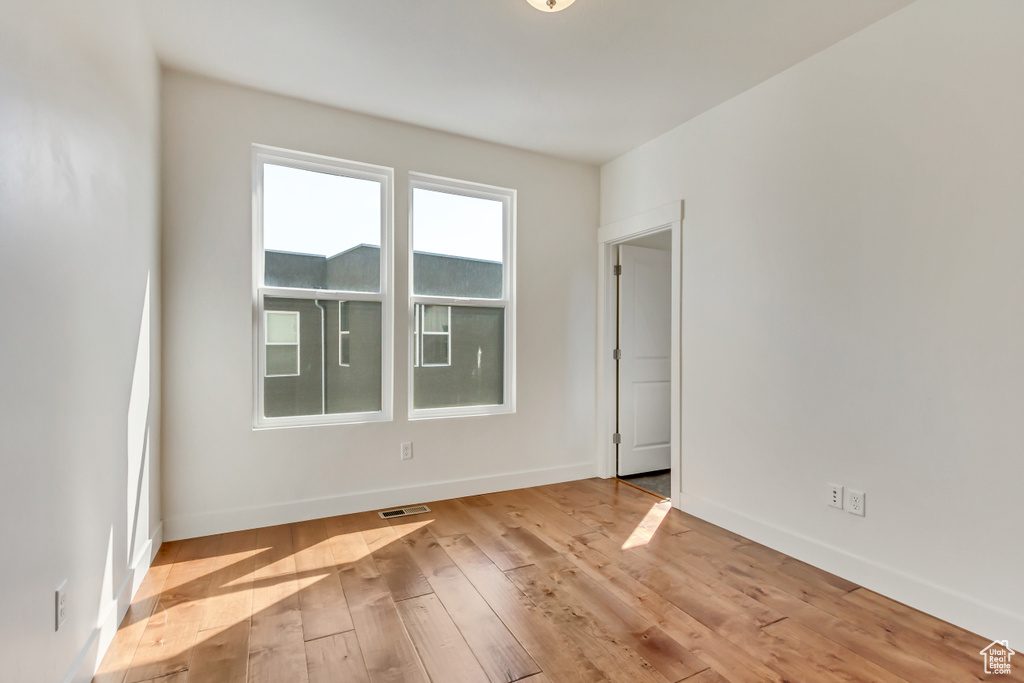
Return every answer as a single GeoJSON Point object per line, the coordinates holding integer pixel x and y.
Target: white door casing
{"type": "Point", "coordinates": [645, 388]}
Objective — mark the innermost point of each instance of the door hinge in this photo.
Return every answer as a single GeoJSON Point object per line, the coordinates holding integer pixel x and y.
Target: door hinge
{"type": "Point", "coordinates": [616, 354]}
{"type": "Point", "coordinates": [616, 438]}
{"type": "Point", "coordinates": [616, 270]}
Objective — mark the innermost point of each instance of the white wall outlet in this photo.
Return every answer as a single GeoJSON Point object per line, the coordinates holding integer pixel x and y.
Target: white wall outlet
{"type": "Point", "coordinates": [61, 606]}
{"type": "Point", "coordinates": [835, 496]}
{"type": "Point", "coordinates": [407, 450]}
{"type": "Point", "coordinates": [855, 502]}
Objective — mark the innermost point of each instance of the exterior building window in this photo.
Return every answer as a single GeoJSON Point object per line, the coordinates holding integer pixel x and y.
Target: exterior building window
{"type": "Point", "coordinates": [321, 262]}
{"type": "Point", "coordinates": [416, 325]}
{"type": "Point", "coordinates": [433, 335]}
{"type": "Point", "coordinates": [282, 343]}
{"type": "Point", "coordinates": [462, 304]}
{"type": "Point", "coordinates": [344, 340]}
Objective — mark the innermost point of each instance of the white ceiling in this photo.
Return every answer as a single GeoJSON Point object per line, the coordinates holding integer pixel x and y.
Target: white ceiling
{"type": "Point", "coordinates": [588, 83]}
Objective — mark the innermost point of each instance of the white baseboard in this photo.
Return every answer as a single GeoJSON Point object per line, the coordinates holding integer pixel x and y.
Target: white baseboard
{"type": "Point", "coordinates": [99, 640]}
{"type": "Point", "coordinates": [989, 621]}
{"type": "Point", "coordinates": [222, 521]}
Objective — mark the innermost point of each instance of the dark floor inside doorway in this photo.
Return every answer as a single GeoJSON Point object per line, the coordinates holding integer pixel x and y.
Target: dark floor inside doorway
{"type": "Point", "coordinates": [659, 483]}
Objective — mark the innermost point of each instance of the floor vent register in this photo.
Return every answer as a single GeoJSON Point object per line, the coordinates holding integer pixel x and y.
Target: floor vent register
{"type": "Point", "coordinates": [403, 512]}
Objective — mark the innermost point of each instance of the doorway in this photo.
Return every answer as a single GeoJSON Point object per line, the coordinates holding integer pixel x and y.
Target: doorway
{"type": "Point", "coordinates": [639, 344]}
{"type": "Point", "coordinates": [643, 362]}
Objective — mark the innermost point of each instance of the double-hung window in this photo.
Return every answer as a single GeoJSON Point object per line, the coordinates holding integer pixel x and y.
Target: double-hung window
{"type": "Point", "coordinates": [322, 305]}
{"type": "Point", "coordinates": [462, 301]}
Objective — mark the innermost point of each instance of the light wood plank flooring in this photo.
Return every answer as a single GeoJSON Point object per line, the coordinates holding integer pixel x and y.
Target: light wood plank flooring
{"type": "Point", "coordinates": [580, 582]}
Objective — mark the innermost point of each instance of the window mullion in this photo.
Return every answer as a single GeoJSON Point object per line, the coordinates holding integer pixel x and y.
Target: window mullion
{"type": "Point", "coordinates": [321, 294]}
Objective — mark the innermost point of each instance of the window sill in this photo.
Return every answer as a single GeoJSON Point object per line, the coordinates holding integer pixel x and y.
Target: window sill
{"type": "Point", "coordinates": [266, 423]}
{"type": "Point", "coordinates": [460, 411]}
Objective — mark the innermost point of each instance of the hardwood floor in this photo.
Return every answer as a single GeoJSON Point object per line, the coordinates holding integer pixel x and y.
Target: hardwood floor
{"type": "Point", "coordinates": [580, 582]}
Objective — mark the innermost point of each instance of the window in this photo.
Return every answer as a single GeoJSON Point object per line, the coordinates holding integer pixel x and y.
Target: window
{"type": "Point", "coordinates": [282, 343]}
{"type": "Point", "coordinates": [344, 341]}
{"type": "Point", "coordinates": [432, 336]}
{"type": "Point", "coordinates": [321, 262]}
{"type": "Point", "coordinates": [462, 311]}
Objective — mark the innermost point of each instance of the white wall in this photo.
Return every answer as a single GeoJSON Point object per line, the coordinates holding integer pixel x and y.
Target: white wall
{"type": "Point", "coordinates": [853, 306]}
{"type": "Point", "coordinates": [79, 347]}
{"type": "Point", "coordinates": [220, 474]}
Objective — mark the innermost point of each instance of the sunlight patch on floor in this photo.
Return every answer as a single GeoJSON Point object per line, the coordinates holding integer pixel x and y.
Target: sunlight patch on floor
{"type": "Point", "coordinates": [648, 526]}
{"type": "Point", "coordinates": [271, 584]}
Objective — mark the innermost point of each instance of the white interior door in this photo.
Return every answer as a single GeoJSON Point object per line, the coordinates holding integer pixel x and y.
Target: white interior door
{"type": "Point", "coordinates": [645, 314]}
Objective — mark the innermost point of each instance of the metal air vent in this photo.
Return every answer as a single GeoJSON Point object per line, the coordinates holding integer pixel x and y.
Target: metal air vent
{"type": "Point", "coordinates": [403, 512]}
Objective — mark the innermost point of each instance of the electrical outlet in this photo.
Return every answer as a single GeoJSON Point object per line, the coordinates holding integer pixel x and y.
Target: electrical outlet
{"type": "Point", "coordinates": [61, 605]}
{"type": "Point", "coordinates": [835, 496]}
{"type": "Point", "coordinates": [407, 450]}
{"type": "Point", "coordinates": [855, 502]}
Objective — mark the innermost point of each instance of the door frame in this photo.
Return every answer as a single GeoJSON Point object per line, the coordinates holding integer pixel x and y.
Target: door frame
{"type": "Point", "coordinates": [609, 237]}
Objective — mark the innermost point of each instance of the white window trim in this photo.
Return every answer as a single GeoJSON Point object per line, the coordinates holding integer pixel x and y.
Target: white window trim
{"type": "Point", "coordinates": [262, 154]}
{"type": "Point", "coordinates": [342, 334]}
{"type": "Point", "coordinates": [422, 340]}
{"type": "Point", "coordinates": [508, 199]}
{"type": "Point", "coordinates": [297, 343]}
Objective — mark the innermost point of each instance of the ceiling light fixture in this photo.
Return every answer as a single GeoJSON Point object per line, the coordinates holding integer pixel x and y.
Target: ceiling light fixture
{"type": "Point", "coordinates": [550, 5]}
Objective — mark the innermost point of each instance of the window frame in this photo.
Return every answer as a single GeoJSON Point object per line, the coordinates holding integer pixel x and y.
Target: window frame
{"type": "Point", "coordinates": [261, 155]}
{"type": "Point", "coordinates": [508, 199]}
